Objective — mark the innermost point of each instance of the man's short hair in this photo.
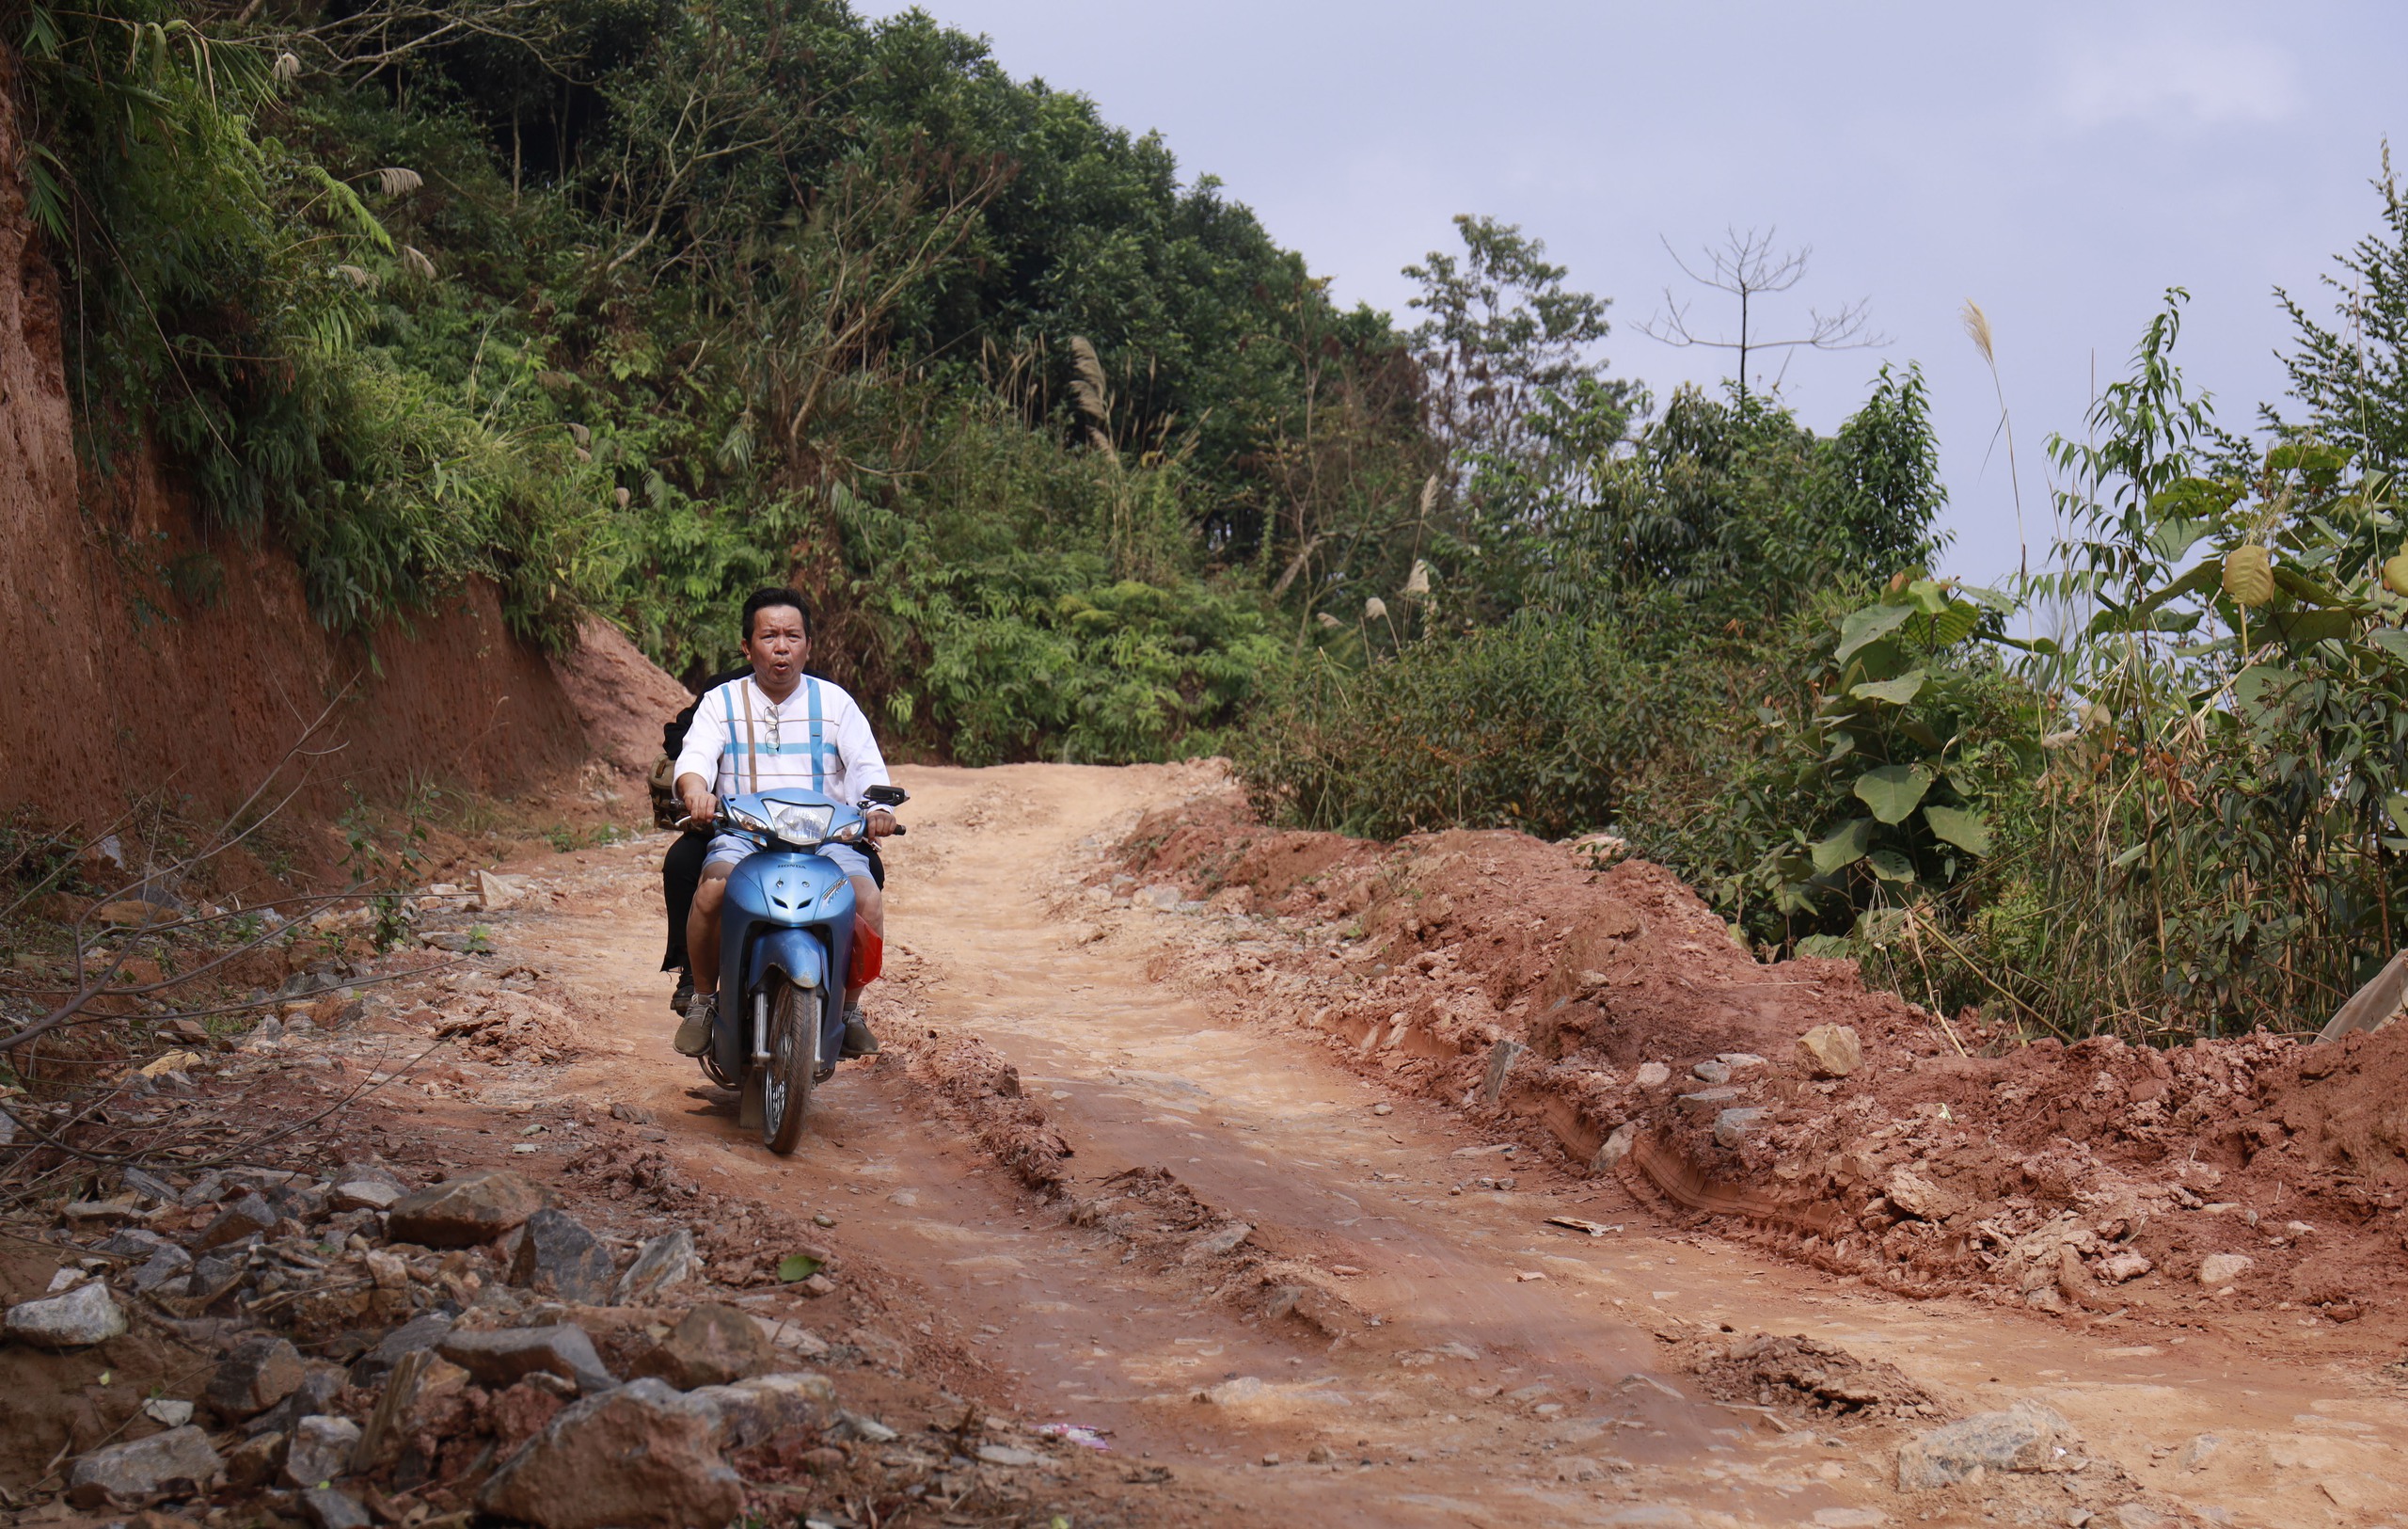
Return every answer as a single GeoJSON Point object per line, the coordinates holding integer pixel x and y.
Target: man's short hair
{"type": "Point", "coordinates": [772, 599]}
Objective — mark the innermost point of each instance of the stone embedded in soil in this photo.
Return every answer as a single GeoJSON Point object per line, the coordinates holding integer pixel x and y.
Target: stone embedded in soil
{"type": "Point", "coordinates": [2196, 1454]}
{"type": "Point", "coordinates": [558, 1256]}
{"type": "Point", "coordinates": [255, 1375]}
{"type": "Point", "coordinates": [1615, 1147]}
{"type": "Point", "coordinates": [1215, 1243]}
{"type": "Point", "coordinates": [329, 1508]}
{"type": "Point", "coordinates": [505, 1356]}
{"type": "Point", "coordinates": [1830, 1051]}
{"type": "Point", "coordinates": [2118, 1268]}
{"type": "Point", "coordinates": [425, 1331]}
{"type": "Point", "coordinates": [752, 1412]}
{"type": "Point", "coordinates": [365, 1186]}
{"type": "Point", "coordinates": [2025, 1437]}
{"type": "Point", "coordinates": [255, 1462]}
{"type": "Point", "coordinates": [1732, 1127]}
{"type": "Point", "coordinates": [176, 1463]}
{"type": "Point", "coordinates": [167, 1264]}
{"type": "Point", "coordinates": [710, 1346]}
{"type": "Point", "coordinates": [2224, 1268]}
{"type": "Point", "coordinates": [1651, 1074]}
{"type": "Point", "coordinates": [640, 1457]}
{"type": "Point", "coordinates": [214, 1276]}
{"type": "Point", "coordinates": [321, 1385]}
{"type": "Point", "coordinates": [250, 1216]}
{"type": "Point", "coordinates": [134, 1243]}
{"type": "Point", "coordinates": [1916, 1195]}
{"type": "Point", "coordinates": [663, 1262]}
{"type": "Point", "coordinates": [463, 1211]}
{"type": "Point", "coordinates": [496, 893]}
{"type": "Point", "coordinates": [1005, 1455]}
{"type": "Point", "coordinates": [85, 1315]}
{"type": "Point", "coordinates": [1706, 1101]}
{"type": "Point", "coordinates": [1711, 1072]}
{"type": "Point", "coordinates": [319, 1450]}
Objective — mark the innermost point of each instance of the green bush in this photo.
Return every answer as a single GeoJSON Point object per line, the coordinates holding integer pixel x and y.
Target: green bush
{"type": "Point", "coordinates": [1538, 724]}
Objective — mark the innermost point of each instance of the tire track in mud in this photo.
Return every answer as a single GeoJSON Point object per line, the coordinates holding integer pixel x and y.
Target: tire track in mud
{"type": "Point", "coordinates": [1054, 1133]}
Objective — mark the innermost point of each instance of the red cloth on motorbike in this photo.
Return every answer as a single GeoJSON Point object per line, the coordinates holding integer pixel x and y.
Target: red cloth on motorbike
{"type": "Point", "coordinates": [869, 954]}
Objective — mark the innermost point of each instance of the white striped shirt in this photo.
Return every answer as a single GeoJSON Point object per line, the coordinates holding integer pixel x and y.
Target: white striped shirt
{"type": "Point", "coordinates": [819, 738]}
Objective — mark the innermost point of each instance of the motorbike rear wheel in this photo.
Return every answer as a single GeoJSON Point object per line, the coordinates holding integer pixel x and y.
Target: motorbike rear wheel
{"type": "Point", "coordinates": [794, 1059]}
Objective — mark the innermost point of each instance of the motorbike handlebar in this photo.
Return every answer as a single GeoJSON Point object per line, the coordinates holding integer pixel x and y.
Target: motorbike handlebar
{"type": "Point", "coordinates": [697, 826]}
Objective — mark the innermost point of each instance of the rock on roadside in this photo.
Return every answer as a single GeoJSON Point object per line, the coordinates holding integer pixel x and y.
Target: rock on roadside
{"type": "Point", "coordinates": [711, 1345]}
{"type": "Point", "coordinates": [752, 1412]}
{"type": "Point", "coordinates": [463, 1211]}
{"type": "Point", "coordinates": [1830, 1051]}
{"type": "Point", "coordinates": [558, 1256]}
{"type": "Point", "coordinates": [172, 1465]}
{"type": "Point", "coordinates": [319, 1450]}
{"type": "Point", "coordinates": [255, 1375]}
{"type": "Point", "coordinates": [2025, 1437]}
{"type": "Point", "coordinates": [2223, 1268]}
{"type": "Point", "coordinates": [641, 1457]}
{"type": "Point", "coordinates": [506, 1356]}
{"type": "Point", "coordinates": [665, 1260]}
{"type": "Point", "coordinates": [85, 1315]}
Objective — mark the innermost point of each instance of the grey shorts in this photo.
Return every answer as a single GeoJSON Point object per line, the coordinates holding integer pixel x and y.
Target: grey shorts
{"type": "Point", "coordinates": [727, 849]}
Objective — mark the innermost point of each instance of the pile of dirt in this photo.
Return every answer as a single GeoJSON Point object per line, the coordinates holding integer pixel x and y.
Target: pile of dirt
{"type": "Point", "coordinates": [974, 1090]}
{"type": "Point", "coordinates": [1802, 1376]}
{"type": "Point", "coordinates": [1613, 1011]}
{"type": "Point", "coordinates": [1165, 1224]}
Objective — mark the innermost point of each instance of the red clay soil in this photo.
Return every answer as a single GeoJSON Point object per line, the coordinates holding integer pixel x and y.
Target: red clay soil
{"type": "Point", "coordinates": [1953, 1159]}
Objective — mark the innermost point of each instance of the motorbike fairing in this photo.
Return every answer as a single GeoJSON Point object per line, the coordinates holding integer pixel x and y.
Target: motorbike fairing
{"type": "Point", "coordinates": [788, 911]}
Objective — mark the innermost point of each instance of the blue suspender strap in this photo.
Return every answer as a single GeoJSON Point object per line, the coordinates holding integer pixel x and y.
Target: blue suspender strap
{"type": "Point", "coordinates": [818, 760]}
{"type": "Point", "coordinates": [727, 706]}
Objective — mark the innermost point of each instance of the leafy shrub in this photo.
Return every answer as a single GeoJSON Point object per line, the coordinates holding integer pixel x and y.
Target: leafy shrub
{"type": "Point", "coordinates": [1537, 725]}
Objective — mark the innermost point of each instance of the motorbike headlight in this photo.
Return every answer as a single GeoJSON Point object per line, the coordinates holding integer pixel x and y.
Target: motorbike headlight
{"type": "Point", "coordinates": [849, 834]}
{"type": "Point", "coordinates": [800, 824]}
{"type": "Point", "coordinates": [745, 819]}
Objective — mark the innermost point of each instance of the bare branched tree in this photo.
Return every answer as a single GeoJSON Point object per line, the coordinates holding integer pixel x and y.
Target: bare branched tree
{"type": "Point", "coordinates": [1749, 267]}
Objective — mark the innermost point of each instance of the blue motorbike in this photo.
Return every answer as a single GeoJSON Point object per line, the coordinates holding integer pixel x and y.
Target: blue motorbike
{"type": "Point", "coordinates": [788, 949]}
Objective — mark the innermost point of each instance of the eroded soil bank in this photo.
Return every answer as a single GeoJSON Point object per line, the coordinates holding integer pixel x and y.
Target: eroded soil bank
{"type": "Point", "coordinates": [1180, 1147]}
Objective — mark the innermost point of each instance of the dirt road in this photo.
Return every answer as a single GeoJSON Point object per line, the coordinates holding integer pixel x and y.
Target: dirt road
{"type": "Point", "coordinates": [1501, 1370]}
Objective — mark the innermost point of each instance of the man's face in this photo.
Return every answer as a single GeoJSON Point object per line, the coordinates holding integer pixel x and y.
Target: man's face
{"type": "Point", "coordinates": [778, 648]}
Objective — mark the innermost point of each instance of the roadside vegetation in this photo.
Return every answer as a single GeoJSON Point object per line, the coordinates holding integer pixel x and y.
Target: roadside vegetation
{"type": "Point", "coordinates": [628, 306]}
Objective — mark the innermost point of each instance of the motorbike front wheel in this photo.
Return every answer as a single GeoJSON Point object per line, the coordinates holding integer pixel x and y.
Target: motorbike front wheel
{"type": "Point", "coordinates": [794, 1059]}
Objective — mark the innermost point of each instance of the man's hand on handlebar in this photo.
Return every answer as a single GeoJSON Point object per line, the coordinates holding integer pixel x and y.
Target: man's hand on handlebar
{"type": "Point", "coordinates": [701, 807]}
{"type": "Point", "coordinates": [876, 822]}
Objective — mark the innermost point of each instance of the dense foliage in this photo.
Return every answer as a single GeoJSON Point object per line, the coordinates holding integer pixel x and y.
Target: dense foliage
{"type": "Point", "coordinates": [629, 306]}
{"type": "Point", "coordinates": [633, 305]}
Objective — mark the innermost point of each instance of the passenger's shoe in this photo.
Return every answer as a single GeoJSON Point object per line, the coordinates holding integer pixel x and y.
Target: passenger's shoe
{"type": "Point", "coordinates": [858, 1040]}
{"type": "Point", "coordinates": [684, 995]}
{"type": "Point", "coordinates": [694, 1033]}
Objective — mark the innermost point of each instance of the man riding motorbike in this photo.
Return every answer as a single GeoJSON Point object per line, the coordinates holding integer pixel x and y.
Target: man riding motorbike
{"type": "Point", "coordinates": [681, 867]}
{"type": "Point", "coordinates": [774, 726]}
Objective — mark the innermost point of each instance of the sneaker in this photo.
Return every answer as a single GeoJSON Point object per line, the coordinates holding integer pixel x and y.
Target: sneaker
{"type": "Point", "coordinates": [694, 1034]}
{"type": "Point", "coordinates": [858, 1040]}
{"type": "Point", "coordinates": [684, 995]}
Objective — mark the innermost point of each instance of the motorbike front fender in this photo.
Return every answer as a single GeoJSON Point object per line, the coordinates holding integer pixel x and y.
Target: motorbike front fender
{"type": "Point", "coordinates": [795, 952]}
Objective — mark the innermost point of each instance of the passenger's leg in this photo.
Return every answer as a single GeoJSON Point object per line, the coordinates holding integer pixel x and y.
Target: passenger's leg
{"type": "Point", "coordinates": [681, 872]}
{"type": "Point", "coordinates": [870, 904]}
{"type": "Point", "coordinates": [702, 927]}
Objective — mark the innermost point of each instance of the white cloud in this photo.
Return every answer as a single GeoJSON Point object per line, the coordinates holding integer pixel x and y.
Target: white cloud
{"type": "Point", "coordinates": [2178, 81]}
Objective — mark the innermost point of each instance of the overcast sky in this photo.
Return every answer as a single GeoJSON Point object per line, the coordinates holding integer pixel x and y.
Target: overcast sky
{"type": "Point", "coordinates": [2061, 164]}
